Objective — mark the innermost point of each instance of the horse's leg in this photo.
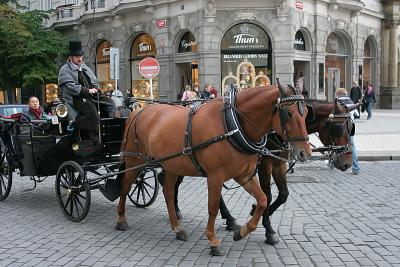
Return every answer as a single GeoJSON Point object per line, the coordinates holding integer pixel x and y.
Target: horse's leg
{"type": "Point", "coordinates": [254, 189]}
{"type": "Point", "coordinates": [214, 185]}
{"type": "Point", "coordinates": [264, 175]}
{"type": "Point", "coordinates": [225, 214]}
{"type": "Point", "coordinates": [127, 180]}
{"type": "Point", "coordinates": [169, 193]}
{"type": "Point", "coordinates": [279, 175]}
{"type": "Point", "coordinates": [178, 211]}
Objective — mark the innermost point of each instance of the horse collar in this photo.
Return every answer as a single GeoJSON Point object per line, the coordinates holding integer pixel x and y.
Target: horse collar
{"type": "Point", "coordinates": [239, 139]}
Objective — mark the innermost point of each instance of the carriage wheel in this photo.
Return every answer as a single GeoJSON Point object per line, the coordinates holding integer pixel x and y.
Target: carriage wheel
{"type": "Point", "coordinates": [73, 193]}
{"type": "Point", "coordinates": [145, 189]}
{"type": "Point", "coordinates": [5, 175]}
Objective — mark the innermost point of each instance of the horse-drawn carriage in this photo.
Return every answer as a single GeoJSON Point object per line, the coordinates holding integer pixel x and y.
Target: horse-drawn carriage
{"type": "Point", "coordinates": [38, 148]}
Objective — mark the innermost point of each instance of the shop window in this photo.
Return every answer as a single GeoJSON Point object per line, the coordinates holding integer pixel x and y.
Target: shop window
{"type": "Point", "coordinates": [187, 43]}
{"type": "Point", "coordinates": [299, 41]}
{"type": "Point", "coordinates": [51, 92]}
{"type": "Point", "coordinates": [143, 46]}
{"type": "Point", "coordinates": [246, 57]}
{"type": "Point", "coordinates": [103, 67]}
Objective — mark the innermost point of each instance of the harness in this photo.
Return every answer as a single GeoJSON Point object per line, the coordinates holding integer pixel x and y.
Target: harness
{"type": "Point", "coordinates": [233, 132]}
{"type": "Point", "coordinates": [188, 150]}
{"type": "Point", "coordinates": [239, 140]}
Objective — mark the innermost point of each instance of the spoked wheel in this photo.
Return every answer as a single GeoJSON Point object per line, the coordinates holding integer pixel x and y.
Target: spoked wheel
{"type": "Point", "coordinates": [145, 189]}
{"type": "Point", "coordinates": [5, 175]}
{"type": "Point", "coordinates": [73, 194]}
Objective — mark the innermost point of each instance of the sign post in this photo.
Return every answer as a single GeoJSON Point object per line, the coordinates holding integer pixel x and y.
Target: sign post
{"type": "Point", "coordinates": [114, 65]}
{"type": "Point", "coordinates": [149, 68]}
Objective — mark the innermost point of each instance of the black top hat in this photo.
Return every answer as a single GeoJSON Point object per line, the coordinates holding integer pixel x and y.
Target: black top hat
{"type": "Point", "coordinates": [75, 48]}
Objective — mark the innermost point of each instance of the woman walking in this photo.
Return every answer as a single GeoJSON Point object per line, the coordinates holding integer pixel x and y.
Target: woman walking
{"type": "Point", "coordinates": [369, 100]}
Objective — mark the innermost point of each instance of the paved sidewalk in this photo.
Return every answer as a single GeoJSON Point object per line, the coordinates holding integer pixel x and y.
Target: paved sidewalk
{"type": "Point", "coordinates": [334, 219]}
{"type": "Point", "coordinates": [377, 138]}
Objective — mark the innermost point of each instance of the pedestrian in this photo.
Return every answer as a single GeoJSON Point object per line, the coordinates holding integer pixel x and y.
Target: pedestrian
{"type": "Point", "coordinates": [189, 93]}
{"type": "Point", "coordinates": [356, 96]}
{"type": "Point", "coordinates": [369, 100]}
{"type": "Point", "coordinates": [205, 94]}
{"type": "Point", "coordinates": [341, 94]}
{"type": "Point", "coordinates": [213, 92]}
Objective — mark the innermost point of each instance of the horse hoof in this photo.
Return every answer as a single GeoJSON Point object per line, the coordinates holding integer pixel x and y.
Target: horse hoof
{"type": "Point", "coordinates": [271, 239]}
{"type": "Point", "coordinates": [181, 235]}
{"type": "Point", "coordinates": [236, 234]}
{"type": "Point", "coordinates": [217, 251]}
{"type": "Point", "coordinates": [122, 226]}
{"type": "Point", "coordinates": [179, 215]}
{"type": "Point", "coordinates": [253, 209]}
{"type": "Point", "coordinates": [231, 225]}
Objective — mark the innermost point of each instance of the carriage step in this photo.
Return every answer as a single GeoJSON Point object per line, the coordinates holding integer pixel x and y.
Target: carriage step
{"type": "Point", "coordinates": [111, 189]}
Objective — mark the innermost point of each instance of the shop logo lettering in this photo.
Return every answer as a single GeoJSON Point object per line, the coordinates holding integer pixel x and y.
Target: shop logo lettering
{"type": "Point", "coordinates": [143, 47]}
{"type": "Point", "coordinates": [298, 42]}
{"type": "Point", "coordinates": [106, 51]}
{"type": "Point", "coordinates": [186, 44]}
{"type": "Point", "coordinates": [244, 38]}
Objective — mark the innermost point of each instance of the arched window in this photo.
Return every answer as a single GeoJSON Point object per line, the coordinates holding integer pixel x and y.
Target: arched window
{"type": "Point", "coordinates": [187, 43]}
{"type": "Point", "coordinates": [337, 63]}
{"type": "Point", "coordinates": [246, 54]}
{"type": "Point", "coordinates": [143, 46]}
{"type": "Point", "coordinates": [103, 66]}
{"type": "Point", "coordinates": [369, 64]}
{"type": "Point", "coordinates": [300, 42]}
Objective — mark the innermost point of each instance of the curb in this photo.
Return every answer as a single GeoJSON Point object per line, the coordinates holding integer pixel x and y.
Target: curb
{"type": "Point", "coordinates": [372, 157]}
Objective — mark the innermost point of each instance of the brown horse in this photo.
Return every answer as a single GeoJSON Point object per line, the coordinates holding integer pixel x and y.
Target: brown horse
{"type": "Point", "coordinates": [158, 131]}
{"type": "Point", "coordinates": [332, 132]}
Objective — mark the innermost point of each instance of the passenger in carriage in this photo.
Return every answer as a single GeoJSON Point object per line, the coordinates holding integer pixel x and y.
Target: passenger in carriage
{"type": "Point", "coordinates": [35, 112]}
{"type": "Point", "coordinates": [78, 88]}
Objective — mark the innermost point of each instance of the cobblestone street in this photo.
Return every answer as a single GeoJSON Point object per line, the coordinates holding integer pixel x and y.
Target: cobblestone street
{"type": "Point", "coordinates": [331, 218]}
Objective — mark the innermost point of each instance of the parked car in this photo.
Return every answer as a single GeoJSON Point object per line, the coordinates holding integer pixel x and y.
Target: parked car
{"type": "Point", "coordinates": [10, 109]}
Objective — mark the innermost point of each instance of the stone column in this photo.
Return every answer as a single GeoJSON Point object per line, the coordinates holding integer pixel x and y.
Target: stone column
{"type": "Point", "coordinates": [393, 56]}
{"type": "Point", "coordinates": [390, 93]}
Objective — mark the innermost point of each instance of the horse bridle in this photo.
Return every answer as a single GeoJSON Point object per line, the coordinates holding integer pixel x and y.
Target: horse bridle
{"type": "Point", "coordinates": [284, 115]}
{"type": "Point", "coordinates": [335, 125]}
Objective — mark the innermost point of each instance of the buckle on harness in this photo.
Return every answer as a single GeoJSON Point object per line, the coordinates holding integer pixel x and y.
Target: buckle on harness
{"type": "Point", "coordinates": [187, 150]}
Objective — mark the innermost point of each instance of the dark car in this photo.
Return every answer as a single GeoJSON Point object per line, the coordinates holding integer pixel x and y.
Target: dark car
{"type": "Point", "coordinates": [10, 109]}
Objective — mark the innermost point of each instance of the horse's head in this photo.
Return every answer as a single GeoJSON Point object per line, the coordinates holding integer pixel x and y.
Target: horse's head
{"type": "Point", "coordinates": [336, 131]}
{"type": "Point", "coordinates": [288, 121]}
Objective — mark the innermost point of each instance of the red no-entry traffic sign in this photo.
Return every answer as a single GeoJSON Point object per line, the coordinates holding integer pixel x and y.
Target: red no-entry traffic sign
{"type": "Point", "coordinates": [149, 67]}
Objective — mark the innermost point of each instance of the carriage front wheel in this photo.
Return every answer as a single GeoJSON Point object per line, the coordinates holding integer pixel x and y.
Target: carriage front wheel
{"type": "Point", "coordinates": [73, 193]}
{"type": "Point", "coordinates": [5, 175]}
{"type": "Point", "coordinates": [144, 190]}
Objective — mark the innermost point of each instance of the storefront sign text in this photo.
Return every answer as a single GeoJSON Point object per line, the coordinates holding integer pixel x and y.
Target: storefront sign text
{"type": "Point", "coordinates": [185, 44]}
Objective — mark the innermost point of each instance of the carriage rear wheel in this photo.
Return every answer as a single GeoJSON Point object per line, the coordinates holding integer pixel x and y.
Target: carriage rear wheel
{"type": "Point", "coordinates": [5, 175]}
{"type": "Point", "coordinates": [73, 193]}
{"type": "Point", "coordinates": [145, 189]}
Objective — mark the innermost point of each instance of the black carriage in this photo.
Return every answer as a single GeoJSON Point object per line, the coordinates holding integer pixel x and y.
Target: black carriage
{"type": "Point", "coordinates": [38, 149]}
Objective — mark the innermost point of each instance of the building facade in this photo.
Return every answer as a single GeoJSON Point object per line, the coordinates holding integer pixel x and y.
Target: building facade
{"type": "Point", "coordinates": [327, 43]}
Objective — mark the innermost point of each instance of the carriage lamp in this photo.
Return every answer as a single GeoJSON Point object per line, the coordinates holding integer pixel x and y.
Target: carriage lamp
{"type": "Point", "coordinates": [331, 116]}
{"type": "Point", "coordinates": [75, 146]}
{"type": "Point", "coordinates": [62, 111]}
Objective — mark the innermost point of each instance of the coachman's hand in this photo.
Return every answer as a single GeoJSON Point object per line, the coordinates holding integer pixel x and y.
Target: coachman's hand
{"type": "Point", "coordinates": [92, 91]}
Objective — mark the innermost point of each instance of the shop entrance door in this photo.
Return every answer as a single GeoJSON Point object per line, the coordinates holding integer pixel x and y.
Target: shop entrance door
{"type": "Point", "coordinates": [302, 69]}
{"type": "Point", "coordinates": [188, 74]}
{"type": "Point", "coordinates": [333, 82]}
